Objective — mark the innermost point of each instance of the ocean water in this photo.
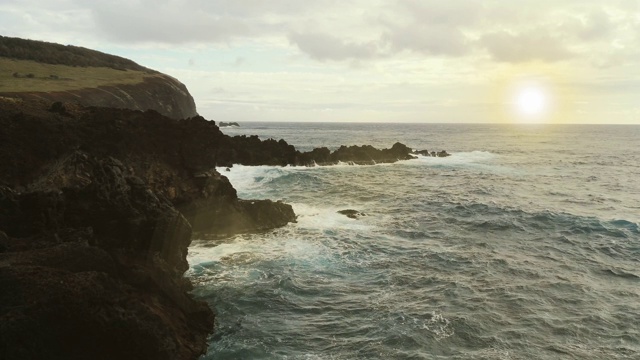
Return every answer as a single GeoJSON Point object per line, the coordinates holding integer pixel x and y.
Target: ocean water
{"type": "Point", "coordinates": [525, 244]}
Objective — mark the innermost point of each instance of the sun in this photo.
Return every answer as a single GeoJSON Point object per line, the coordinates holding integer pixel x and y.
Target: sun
{"type": "Point", "coordinates": [531, 93]}
{"type": "Point", "coordinates": [531, 101]}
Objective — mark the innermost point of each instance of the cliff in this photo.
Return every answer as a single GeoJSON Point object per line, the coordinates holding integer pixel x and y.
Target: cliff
{"type": "Point", "coordinates": [97, 207]}
{"type": "Point", "coordinates": [36, 70]}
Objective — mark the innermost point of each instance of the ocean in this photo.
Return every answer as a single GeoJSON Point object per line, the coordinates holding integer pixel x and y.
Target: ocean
{"type": "Point", "coordinates": [524, 244]}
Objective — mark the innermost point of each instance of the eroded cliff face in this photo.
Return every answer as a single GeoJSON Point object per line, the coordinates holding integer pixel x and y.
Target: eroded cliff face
{"type": "Point", "coordinates": [97, 208]}
{"type": "Point", "coordinates": [158, 92]}
{"type": "Point", "coordinates": [93, 269]}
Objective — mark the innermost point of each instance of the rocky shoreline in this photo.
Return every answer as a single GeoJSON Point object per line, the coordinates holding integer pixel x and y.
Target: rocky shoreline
{"type": "Point", "coordinates": [97, 209]}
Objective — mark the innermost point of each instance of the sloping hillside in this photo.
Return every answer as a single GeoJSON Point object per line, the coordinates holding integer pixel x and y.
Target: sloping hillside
{"type": "Point", "coordinates": [39, 70]}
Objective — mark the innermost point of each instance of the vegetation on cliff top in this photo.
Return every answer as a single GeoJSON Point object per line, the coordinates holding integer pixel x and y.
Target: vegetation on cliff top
{"type": "Point", "coordinates": [29, 76]}
{"type": "Point", "coordinates": [57, 54]}
{"type": "Point", "coordinates": [37, 70]}
{"type": "Point", "coordinates": [28, 65]}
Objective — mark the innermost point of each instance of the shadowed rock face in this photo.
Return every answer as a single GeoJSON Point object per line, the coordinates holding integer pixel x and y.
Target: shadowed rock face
{"type": "Point", "coordinates": [95, 270]}
{"type": "Point", "coordinates": [92, 246]}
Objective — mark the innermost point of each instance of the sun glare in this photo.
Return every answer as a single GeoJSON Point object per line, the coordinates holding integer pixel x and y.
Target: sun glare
{"type": "Point", "coordinates": [530, 94]}
{"type": "Point", "coordinates": [531, 102]}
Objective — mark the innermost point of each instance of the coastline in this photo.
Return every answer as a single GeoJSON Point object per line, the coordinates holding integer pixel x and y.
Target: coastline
{"type": "Point", "coordinates": [107, 199]}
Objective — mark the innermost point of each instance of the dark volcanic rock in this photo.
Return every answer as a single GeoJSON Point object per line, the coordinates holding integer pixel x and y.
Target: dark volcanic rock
{"type": "Point", "coordinates": [250, 150]}
{"type": "Point", "coordinates": [361, 155]}
{"type": "Point", "coordinates": [227, 124]}
{"type": "Point", "coordinates": [219, 212]}
{"type": "Point", "coordinates": [350, 213]}
{"type": "Point", "coordinates": [95, 270]}
{"type": "Point", "coordinates": [423, 152]}
{"type": "Point", "coordinates": [442, 153]}
{"type": "Point", "coordinates": [91, 244]}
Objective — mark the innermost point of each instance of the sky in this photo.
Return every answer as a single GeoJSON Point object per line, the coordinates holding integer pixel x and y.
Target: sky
{"type": "Point", "coordinates": [444, 61]}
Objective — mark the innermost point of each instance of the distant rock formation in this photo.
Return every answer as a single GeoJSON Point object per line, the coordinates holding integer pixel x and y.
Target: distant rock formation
{"type": "Point", "coordinates": [360, 155]}
{"type": "Point", "coordinates": [250, 150]}
{"type": "Point", "coordinates": [227, 124]}
{"type": "Point", "coordinates": [97, 206]}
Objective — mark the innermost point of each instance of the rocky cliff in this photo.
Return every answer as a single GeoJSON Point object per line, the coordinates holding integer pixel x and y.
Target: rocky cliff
{"type": "Point", "coordinates": [36, 70]}
{"type": "Point", "coordinates": [97, 207]}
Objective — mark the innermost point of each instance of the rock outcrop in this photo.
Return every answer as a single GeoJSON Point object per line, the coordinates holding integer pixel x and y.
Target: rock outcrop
{"type": "Point", "coordinates": [442, 153]}
{"type": "Point", "coordinates": [92, 240]}
{"type": "Point", "coordinates": [352, 214]}
{"type": "Point", "coordinates": [228, 124]}
{"type": "Point", "coordinates": [360, 155]}
{"type": "Point", "coordinates": [250, 150]}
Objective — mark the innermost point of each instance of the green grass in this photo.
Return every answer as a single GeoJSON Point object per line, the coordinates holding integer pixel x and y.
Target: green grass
{"type": "Point", "coordinates": [68, 77]}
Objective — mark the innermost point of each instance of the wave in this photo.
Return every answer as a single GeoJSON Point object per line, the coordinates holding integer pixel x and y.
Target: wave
{"type": "Point", "coordinates": [495, 217]}
{"type": "Point", "coordinates": [476, 161]}
{"type": "Point", "coordinates": [472, 157]}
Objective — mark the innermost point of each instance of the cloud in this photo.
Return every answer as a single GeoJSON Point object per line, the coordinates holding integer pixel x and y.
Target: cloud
{"type": "Point", "coordinates": [166, 22]}
{"type": "Point", "coordinates": [428, 39]}
{"type": "Point", "coordinates": [431, 27]}
{"type": "Point", "coordinates": [521, 47]}
{"type": "Point", "coordinates": [326, 47]}
{"type": "Point", "coordinates": [203, 21]}
{"type": "Point", "coordinates": [361, 30]}
{"type": "Point", "coordinates": [598, 25]}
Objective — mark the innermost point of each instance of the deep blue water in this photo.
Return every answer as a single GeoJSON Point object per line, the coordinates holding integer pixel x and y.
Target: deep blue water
{"type": "Point", "coordinates": [525, 244]}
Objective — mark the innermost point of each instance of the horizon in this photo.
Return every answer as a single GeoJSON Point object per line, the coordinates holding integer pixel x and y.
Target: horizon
{"type": "Point", "coordinates": [499, 62]}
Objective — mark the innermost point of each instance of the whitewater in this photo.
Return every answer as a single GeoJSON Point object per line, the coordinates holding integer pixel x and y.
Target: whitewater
{"type": "Point", "coordinates": [524, 244]}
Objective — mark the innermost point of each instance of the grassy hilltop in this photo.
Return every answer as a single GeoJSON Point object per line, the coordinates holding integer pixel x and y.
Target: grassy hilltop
{"type": "Point", "coordinates": [28, 75]}
{"type": "Point", "coordinates": [38, 70]}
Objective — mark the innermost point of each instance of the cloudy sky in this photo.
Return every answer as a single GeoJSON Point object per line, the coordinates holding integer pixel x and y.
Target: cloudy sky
{"type": "Point", "coordinates": [563, 61]}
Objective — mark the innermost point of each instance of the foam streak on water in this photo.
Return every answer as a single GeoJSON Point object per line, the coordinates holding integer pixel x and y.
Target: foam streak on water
{"type": "Point", "coordinates": [523, 244]}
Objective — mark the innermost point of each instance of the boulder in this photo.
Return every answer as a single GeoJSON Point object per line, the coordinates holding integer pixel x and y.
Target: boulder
{"type": "Point", "coordinates": [350, 213]}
